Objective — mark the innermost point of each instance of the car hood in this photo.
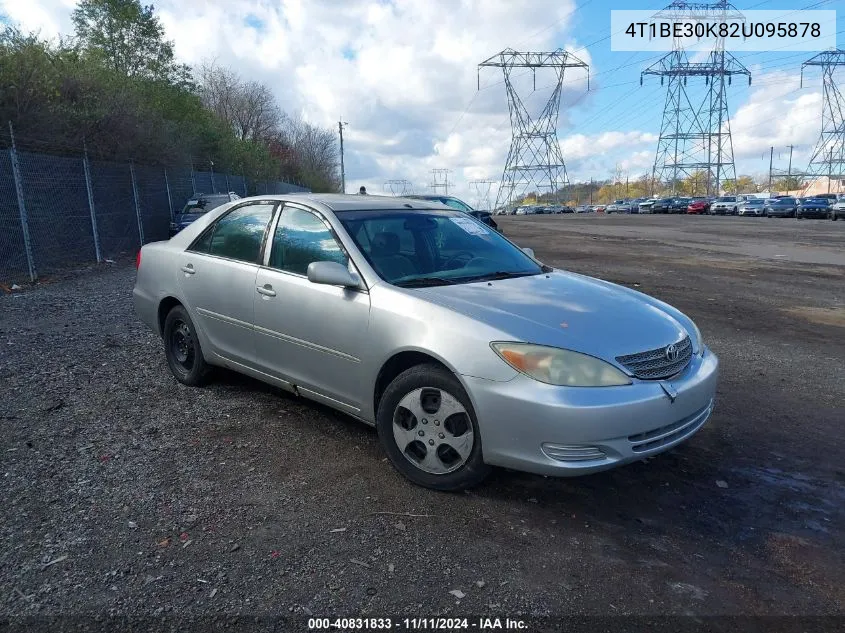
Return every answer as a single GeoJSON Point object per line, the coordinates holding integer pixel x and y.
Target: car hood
{"type": "Point", "coordinates": [564, 310]}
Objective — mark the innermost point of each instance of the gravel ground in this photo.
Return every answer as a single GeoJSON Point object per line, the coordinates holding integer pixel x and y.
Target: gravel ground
{"type": "Point", "coordinates": [127, 494]}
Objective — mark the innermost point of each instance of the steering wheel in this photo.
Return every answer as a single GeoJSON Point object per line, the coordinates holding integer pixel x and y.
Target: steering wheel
{"type": "Point", "coordinates": [459, 260]}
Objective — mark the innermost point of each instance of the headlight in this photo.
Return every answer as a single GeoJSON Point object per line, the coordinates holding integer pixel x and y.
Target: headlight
{"type": "Point", "coordinates": [561, 367]}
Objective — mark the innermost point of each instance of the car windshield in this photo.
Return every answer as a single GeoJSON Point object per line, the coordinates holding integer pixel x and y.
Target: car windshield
{"type": "Point", "coordinates": [726, 199]}
{"type": "Point", "coordinates": [814, 200]}
{"type": "Point", "coordinates": [785, 201]}
{"type": "Point", "coordinates": [433, 247]}
{"type": "Point", "coordinates": [754, 202]}
{"type": "Point", "coordinates": [204, 205]}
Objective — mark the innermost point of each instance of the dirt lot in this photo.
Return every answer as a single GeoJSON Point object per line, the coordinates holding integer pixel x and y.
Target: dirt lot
{"type": "Point", "coordinates": [125, 493]}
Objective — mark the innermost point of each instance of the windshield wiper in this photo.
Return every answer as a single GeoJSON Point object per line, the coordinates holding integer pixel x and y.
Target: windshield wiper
{"type": "Point", "coordinates": [422, 282]}
{"type": "Point", "coordinates": [499, 274]}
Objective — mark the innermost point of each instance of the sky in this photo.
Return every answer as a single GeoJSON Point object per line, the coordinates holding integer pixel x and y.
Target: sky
{"type": "Point", "coordinates": [404, 76]}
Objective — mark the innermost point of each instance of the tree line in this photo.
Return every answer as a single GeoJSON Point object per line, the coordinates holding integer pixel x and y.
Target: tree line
{"type": "Point", "coordinates": [116, 87]}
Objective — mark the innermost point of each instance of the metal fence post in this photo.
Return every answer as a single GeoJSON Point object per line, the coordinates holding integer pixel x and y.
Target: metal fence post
{"type": "Point", "coordinates": [16, 173]}
{"type": "Point", "coordinates": [137, 202]}
{"type": "Point", "coordinates": [213, 186]}
{"type": "Point", "coordinates": [169, 199]}
{"type": "Point", "coordinates": [243, 175]}
{"type": "Point", "coordinates": [227, 182]}
{"type": "Point", "coordinates": [90, 189]}
{"type": "Point", "coordinates": [193, 179]}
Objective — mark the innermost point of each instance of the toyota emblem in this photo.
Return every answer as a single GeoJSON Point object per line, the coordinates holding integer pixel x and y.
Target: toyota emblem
{"type": "Point", "coordinates": [671, 353]}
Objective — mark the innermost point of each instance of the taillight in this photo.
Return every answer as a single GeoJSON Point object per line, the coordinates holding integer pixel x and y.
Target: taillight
{"type": "Point", "coordinates": [138, 261]}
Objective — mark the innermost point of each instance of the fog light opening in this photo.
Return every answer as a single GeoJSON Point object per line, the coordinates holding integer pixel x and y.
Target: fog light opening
{"type": "Point", "coordinates": [573, 453]}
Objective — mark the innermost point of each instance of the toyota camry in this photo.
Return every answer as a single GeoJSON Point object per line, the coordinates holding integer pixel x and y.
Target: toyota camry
{"type": "Point", "coordinates": [462, 349]}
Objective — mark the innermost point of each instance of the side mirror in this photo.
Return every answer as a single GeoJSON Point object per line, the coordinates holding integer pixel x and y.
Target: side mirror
{"type": "Point", "coordinates": [331, 274]}
{"type": "Point", "coordinates": [529, 252]}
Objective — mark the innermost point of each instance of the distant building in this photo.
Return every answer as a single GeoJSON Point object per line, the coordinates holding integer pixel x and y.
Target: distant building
{"type": "Point", "coordinates": [822, 184]}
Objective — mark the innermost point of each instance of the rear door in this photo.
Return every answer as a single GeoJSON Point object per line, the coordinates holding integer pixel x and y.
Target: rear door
{"type": "Point", "coordinates": [217, 278]}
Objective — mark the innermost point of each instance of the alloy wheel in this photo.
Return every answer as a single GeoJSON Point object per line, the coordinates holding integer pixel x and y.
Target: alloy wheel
{"type": "Point", "coordinates": [433, 430]}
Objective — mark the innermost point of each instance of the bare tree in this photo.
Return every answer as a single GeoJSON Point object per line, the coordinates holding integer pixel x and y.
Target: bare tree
{"type": "Point", "coordinates": [249, 107]}
{"type": "Point", "coordinates": [314, 153]}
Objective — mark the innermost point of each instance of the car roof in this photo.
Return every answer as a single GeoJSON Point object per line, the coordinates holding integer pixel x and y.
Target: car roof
{"type": "Point", "coordinates": [339, 202]}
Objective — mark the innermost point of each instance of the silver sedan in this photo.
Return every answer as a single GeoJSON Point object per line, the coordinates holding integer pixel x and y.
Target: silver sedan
{"type": "Point", "coordinates": [463, 350]}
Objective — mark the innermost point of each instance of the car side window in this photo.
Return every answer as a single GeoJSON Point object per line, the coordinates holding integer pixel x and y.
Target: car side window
{"type": "Point", "coordinates": [450, 202]}
{"type": "Point", "coordinates": [238, 234]}
{"type": "Point", "coordinates": [302, 238]}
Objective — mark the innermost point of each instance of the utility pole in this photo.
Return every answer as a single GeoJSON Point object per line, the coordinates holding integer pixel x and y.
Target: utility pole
{"type": "Point", "coordinates": [397, 187]}
{"type": "Point", "coordinates": [535, 161]}
{"type": "Point", "coordinates": [789, 172]}
{"type": "Point", "coordinates": [340, 125]}
{"type": "Point", "coordinates": [482, 193]}
{"type": "Point", "coordinates": [696, 136]}
{"type": "Point", "coordinates": [591, 191]}
{"type": "Point", "coordinates": [829, 154]}
{"type": "Point", "coordinates": [771, 159]}
{"type": "Point", "coordinates": [440, 180]}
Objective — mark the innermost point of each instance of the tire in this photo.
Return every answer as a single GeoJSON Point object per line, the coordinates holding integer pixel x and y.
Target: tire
{"type": "Point", "coordinates": [833, 216]}
{"type": "Point", "coordinates": [423, 388]}
{"type": "Point", "coordinates": [182, 349]}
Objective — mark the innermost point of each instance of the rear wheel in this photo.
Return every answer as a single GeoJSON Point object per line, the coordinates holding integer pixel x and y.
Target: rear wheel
{"type": "Point", "coordinates": [428, 429]}
{"type": "Point", "coordinates": [182, 349]}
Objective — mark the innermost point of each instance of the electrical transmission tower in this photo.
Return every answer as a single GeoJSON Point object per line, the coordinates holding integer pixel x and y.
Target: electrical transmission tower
{"type": "Point", "coordinates": [482, 190]}
{"type": "Point", "coordinates": [695, 136]}
{"type": "Point", "coordinates": [535, 157]}
{"type": "Point", "coordinates": [828, 157]}
{"type": "Point", "coordinates": [398, 187]}
{"type": "Point", "coordinates": [440, 180]}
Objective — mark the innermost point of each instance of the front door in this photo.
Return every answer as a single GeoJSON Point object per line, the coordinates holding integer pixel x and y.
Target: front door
{"type": "Point", "coordinates": [217, 277]}
{"type": "Point", "coordinates": [311, 335]}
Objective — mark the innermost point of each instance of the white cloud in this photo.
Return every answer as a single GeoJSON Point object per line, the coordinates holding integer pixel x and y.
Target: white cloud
{"type": "Point", "coordinates": [777, 113]}
{"type": "Point", "coordinates": [50, 18]}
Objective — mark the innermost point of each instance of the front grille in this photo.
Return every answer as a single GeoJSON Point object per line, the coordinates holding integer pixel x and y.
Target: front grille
{"type": "Point", "coordinates": [653, 364]}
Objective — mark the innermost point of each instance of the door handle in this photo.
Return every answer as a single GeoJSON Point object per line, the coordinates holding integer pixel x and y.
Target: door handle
{"type": "Point", "coordinates": [266, 290]}
{"type": "Point", "coordinates": [188, 269]}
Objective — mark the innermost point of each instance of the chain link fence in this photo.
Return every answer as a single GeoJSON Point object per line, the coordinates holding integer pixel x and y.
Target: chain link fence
{"type": "Point", "coordinates": [58, 211]}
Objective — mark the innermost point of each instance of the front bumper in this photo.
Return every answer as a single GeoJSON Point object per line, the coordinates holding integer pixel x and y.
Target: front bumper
{"type": "Point", "coordinates": [566, 431]}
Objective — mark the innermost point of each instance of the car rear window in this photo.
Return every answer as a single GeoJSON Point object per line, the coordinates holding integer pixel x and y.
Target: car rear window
{"type": "Point", "coordinates": [204, 205]}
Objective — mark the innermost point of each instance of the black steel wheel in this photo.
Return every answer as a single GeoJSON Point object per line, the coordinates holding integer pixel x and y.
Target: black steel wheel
{"type": "Point", "coordinates": [182, 348]}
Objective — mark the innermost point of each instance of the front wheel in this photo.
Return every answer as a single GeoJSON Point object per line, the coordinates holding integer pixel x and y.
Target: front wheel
{"type": "Point", "coordinates": [428, 429]}
{"type": "Point", "coordinates": [833, 215]}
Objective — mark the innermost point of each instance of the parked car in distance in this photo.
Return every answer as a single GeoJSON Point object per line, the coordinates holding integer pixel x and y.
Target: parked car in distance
{"type": "Point", "coordinates": [698, 206]}
{"type": "Point", "coordinates": [752, 206]}
{"type": "Point", "coordinates": [583, 208]}
{"type": "Point", "coordinates": [647, 206]}
{"type": "Point", "coordinates": [724, 205]}
{"type": "Point", "coordinates": [460, 205]}
{"type": "Point", "coordinates": [635, 204]}
{"type": "Point", "coordinates": [599, 208]}
{"type": "Point", "coordinates": [815, 207]}
{"type": "Point", "coordinates": [679, 205]}
{"type": "Point", "coordinates": [837, 210]}
{"type": "Point", "coordinates": [780, 207]}
{"type": "Point", "coordinates": [662, 205]}
{"type": "Point", "coordinates": [433, 328]}
{"type": "Point", "coordinates": [198, 205]}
